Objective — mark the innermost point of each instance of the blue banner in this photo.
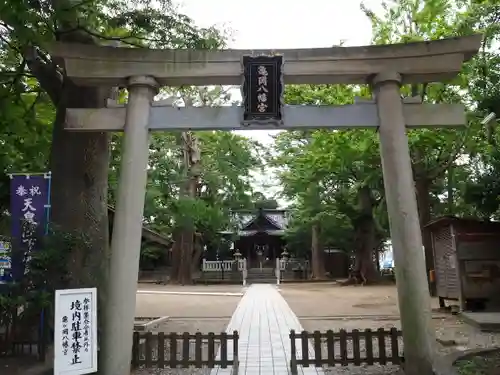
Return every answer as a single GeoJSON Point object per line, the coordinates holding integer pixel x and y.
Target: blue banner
{"type": "Point", "coordinates": [29, 208]}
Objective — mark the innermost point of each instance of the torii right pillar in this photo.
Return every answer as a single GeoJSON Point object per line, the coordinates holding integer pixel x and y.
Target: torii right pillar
{"type": "Point", "coordinates": [411, 279]}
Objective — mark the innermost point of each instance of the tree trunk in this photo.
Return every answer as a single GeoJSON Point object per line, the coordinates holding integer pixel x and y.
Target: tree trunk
{"type": "Point", "coordinates": [449, 186]}
{"type": "Point", "coordinates": [198, 251]}
{"type": "Point", "coordinates": [376, 259]}
{"type": "Point", "coordinates": [365, 267]}
{"type": "Point", "coordinates": [79, 161]}
{"type": "Point", "coordinates": [182, 253]}
{"type": "Point", "coordinates": [79, 164]}
{"type": "Point", "coordinates": [184, 245]}
{"type": "Point", "coordinates": [185, 276]}
{"type": "Point", "coordinates": [366, 242]}
{"type": "Point", "coordinates": [422, 188]}
{"type": "Point", "coordinates": [317, 258]}
{"type": "Point", "coordinates": [176, 255]}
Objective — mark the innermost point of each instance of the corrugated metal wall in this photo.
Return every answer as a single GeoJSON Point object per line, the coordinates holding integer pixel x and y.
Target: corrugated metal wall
{"type": "Point", "coordinates": [446, 263]}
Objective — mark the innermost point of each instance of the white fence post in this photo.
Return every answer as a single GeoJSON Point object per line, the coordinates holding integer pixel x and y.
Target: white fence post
{"type": "Point", "coordinates": [244, 271]}
{"type": "Point", "coordinates": [277, 271]}
{"type": "Point", "coordinates": [282, 264]}
{"type": "Point", "coordinates": [217, 265]}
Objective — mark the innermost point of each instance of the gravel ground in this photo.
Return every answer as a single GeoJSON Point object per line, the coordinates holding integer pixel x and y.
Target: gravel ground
{"type": "Point", "coordinates": [350, 307]}
{"type": "Point", "coordinates": [356, 307]}
{"type": "Point", "coordinates": [204, 326]}
{"type": "Point", "coordinates": [361, 324]}
{"type": "Point", "coordinates": [452, 334]}
{"type": "Point", "coordinates": [365, 370]}
{"type": "Point", "coordinates": [346, 307]}
{"type": "Point", "coordinates": [172, 371]}
{"type": "Point", "coordinates": [188, 313]}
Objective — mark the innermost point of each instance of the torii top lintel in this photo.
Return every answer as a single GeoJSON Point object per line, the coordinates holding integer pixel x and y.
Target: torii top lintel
{"type": "Point", "coordinates": [429, 61]}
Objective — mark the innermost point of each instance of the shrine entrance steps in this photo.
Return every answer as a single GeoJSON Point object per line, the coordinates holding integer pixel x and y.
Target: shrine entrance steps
{"type": "Point", "coordinates": [264, 320]}
{"type": "Point", "coordinates": [265, 275]}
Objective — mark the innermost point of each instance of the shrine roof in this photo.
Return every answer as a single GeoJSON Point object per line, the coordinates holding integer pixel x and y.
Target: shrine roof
{"type": "Point", "coordinates": [147, 233]}
{"type": "Point", "coordinates": [250, 222]}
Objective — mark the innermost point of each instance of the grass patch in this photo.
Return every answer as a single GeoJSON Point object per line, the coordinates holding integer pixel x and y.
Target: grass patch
{"type": "Point", "coordinates": [481, 364]}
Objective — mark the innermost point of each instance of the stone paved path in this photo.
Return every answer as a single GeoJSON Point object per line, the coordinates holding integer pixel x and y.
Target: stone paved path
{"type": "Point", "coordinates": [264, 320]}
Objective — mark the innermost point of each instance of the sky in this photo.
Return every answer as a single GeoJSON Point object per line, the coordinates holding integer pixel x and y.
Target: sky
{"type": "Point", "coordinates": [280, 24]}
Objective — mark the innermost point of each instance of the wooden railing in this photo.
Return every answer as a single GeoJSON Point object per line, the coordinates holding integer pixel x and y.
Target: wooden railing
{"type": "Point", "coordinates": [344, 348]}
{"type": "Point", "coordinates": [159, 350]}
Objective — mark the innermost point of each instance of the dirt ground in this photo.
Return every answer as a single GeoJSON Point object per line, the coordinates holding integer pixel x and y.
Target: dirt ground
{"type": "Point", "coordinates": [180, 306]}
{"type": "Point", "coordinates": [319, 306]}
{"type": "Point", "coordinates": [191, 288]}
{"type": "Point", "coordinates": [187, 313]}
{"type": "Point", "coordinates": [330, 299]}
{"type": "Point", "coordinates": [361, 307]}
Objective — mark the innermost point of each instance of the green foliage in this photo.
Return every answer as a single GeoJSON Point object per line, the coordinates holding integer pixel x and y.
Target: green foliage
{"type": "Point", "coordinates": [321, 171]}
{"type": "Point", "coordinates": [224, 184]}
{"type": "Point", "coordinates": [26, 118]}
{"type": "Point", "coordinates": [28, 90]}
{"type": "Point", "coordinates": [481, 364]}
{"type": "Point", "coordinates": [48, 271]}
{"type": "Point", "coordinates": [152, 256]}
{"type": "Point", "coordinates": [456, 170]}
{"type": "Point", "coordinates": [466, 154]}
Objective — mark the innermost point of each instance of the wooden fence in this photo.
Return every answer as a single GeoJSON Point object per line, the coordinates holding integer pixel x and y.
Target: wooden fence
{"type": "Point", "coordinates": [344, 348]}
{"type": "Point", "coordinates": [197, 350]}
{"type": "Point", "coordinates": [23, 335]}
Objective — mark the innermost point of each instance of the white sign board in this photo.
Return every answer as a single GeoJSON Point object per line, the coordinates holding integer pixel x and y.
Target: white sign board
{"type": "Point", "coordinates": [75, 332]}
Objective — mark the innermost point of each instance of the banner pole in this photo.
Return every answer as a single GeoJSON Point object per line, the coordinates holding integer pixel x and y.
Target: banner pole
{"type": "Point", "coordinates": [48, 207]}
{"type": "Point", "coordinates": [27, 174]}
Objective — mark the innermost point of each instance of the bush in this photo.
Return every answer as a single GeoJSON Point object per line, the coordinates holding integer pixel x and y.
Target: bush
{"type": "Point", "coordinates": [47, 272]}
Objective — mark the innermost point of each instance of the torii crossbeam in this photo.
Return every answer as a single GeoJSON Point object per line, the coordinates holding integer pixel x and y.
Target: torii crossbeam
{"type": "Point", "coordinates": [166, 117]}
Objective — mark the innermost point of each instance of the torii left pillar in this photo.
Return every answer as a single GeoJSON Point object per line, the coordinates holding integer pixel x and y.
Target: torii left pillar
{"type": "Point", "coordinates": [127, 229]}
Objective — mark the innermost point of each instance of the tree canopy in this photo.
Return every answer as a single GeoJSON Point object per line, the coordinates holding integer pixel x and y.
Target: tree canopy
{"type": "Point", "coordinates": [332, 178]}
{"type": "Point", "coordinates": [335, 177]}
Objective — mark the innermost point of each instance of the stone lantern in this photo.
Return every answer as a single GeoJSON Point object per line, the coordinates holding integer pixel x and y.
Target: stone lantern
{"type": "Point", "coordinates": [285, 255]}
{"type": "Point", "coordinates": [237, 257]}
{"type": "Point", "coordinates": [237, 254]}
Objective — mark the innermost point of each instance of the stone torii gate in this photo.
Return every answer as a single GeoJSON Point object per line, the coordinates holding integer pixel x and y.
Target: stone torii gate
{"type": "Point", "coordinates": [385, 67]}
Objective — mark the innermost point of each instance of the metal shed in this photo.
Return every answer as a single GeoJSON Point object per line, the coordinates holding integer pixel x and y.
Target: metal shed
{"type": "Point", "coordinates": [466, 260]}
